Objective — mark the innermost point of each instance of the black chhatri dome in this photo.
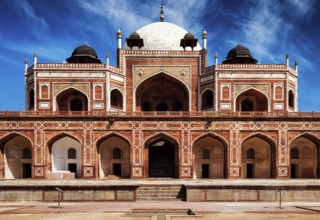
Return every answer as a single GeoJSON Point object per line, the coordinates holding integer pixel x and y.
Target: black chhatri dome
{"type": "Point", "coordinates": [134, 40]}
{"type": "Point", "coordinates": [84, 54]}
{"type": "Point", "coordinates": [241, 55]}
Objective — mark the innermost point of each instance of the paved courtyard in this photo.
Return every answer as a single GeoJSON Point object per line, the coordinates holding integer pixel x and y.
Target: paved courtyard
{"type": "Point", "coordinates": [122, 210]}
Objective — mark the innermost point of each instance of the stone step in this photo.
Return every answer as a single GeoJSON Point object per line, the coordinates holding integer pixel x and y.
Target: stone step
{"type": "Point", "coordinates": [161, 193]}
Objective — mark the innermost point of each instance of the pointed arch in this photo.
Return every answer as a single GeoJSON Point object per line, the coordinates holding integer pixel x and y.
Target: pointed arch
{"type": "Point", "coordinates": [71, 99]}
{"type": "Point", "coordinates": [57, 160]}
{"type": "Point", "coordinates": [263, 165]}
{"type": "Point", "coordinates": [291, 99]}
{"type": "Point", "coordinates": [162, 87]}
{"type": "Point", "coordinates": [116, 99]}
{"type": "Point", "coordinates": [14, 161]}
{"type": "Point", "coordinates": [31, 99]}
{"type": "Point", "coordinates": [304, 156]}
{"type": "Point", "coordinates": [214, 166]}
{"type": "Point", "coordinates": [207, 99]}
{"type": "Point", "coordinates": [161, 156]}
{"type": "Point", "coordinates": [252, 99]}
{"type": "Point", "coordinates": [113, 155]}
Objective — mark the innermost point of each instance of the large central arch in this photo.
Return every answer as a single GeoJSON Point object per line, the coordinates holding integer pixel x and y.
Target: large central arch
{"type": "Point", "coordinates": [162, 157]}
{"type": "Point", "coordinates": [162, 92]}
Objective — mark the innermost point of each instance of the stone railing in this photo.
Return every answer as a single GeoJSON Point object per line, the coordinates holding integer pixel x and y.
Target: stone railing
{"type": "Point", "coordinates": [154, 114]}
{"type": "Point", "coordinates": [100, 66]}
{"type": "Point", "coordinates": [160, 52]}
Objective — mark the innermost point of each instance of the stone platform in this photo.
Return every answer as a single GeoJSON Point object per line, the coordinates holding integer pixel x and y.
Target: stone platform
{"type": "Point", "coordinates": [160, 190]}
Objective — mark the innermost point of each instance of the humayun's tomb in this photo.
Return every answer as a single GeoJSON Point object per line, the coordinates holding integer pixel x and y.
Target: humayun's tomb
{"type": "Point", "coordinates": [160, 113]}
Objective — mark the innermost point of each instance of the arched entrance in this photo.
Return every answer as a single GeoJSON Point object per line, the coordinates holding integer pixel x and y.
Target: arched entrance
{"type": "Point", "coordinates": [114, 157]}
{"type": "Point", "coordinates": [162, 92]}
{"type": "Point", "coordinates": [258, 158]}
{"type": "Point", "coordinates": [65, 157]}
{"type": "Point", "coordinates": [162, 157]}
{"type": "Point", "coordinates": [304, 157]}
{"type": "Point", "coordinates": [72, 100]}
{"type": "Point", "coordinates": [16, 152]}
{"type": "Point", "coordinates": [252, 100]}
{"type": "Point", "coordinates": [210, 157]}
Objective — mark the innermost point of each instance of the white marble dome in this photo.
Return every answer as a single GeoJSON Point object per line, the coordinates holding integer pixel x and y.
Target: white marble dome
{"type": "Point", "coordinates": [162, 36]}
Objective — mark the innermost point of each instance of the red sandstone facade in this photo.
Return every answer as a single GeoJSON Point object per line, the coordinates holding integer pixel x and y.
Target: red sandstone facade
{"type": "Point", "coordinates": [160, 113]}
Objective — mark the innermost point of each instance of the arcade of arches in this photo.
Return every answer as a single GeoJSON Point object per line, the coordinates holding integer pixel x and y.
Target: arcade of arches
{"type": "Point", "coordinates": [161, 157]}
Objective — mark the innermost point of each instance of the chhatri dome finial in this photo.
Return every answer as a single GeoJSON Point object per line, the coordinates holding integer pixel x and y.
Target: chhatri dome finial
{"type": "Point", "coordinates": [161, 14]}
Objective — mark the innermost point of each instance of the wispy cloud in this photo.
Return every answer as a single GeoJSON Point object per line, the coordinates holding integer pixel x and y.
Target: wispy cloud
{"type": "Point", "coordinates": [26, 10]}
{"type": "Point", "coordinates": [128, 17]}
{"type": "Point", "coordinates": [269, 26]}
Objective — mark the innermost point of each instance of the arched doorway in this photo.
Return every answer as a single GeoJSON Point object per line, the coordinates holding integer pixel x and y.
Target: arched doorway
{"type": "Point", "coordinates": [65, 157]}
{"type": "Point", "coordinates": [16, 152]}
{"type": "Point", "coordinates": [72, 100]}
{"type": "Point", "coordinates": [114, 157]}
{"type": "Point", "coordinates": [162, 157]}
{"type": "Point", "coordinates": [258, 157]}
{"type": "Point", "coordinates": [162, 92]}
{"type": "Point", "coordinates": [252, 100]}
{"type": "Point", "coordinates": [304, 157]}
{"type": "Point", "coordinates": [210, 157]}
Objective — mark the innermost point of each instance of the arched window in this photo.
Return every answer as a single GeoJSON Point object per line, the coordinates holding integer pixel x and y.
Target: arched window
{"type": "Point", "coordinates": [278, 92]}
{"type": "Point", "coordinates": [31, 99]}
{"type": "Point", "coordinates": [44, 92]}
{"type": "Point", "coordinates": [116, 99]}
{"type": "Point", "coordinates": [98, 92]}
{"type": "Point", "coordinates": [116, 153]}
{"type": "Point", "coordinates": [225, 92]}
{"type": "Point", "coordinates": [146, 106]}
{"type": "Point", "coordinates": [26, 153]}
{"type": "Point", "coordinates": [251, 154]}
{"type": "Point", "coordinates": [207, 100]}
{"type": "Point", "coordinates": [291, 99]}
{"type": "Point", "coordinates": [72, 153]}
{"type": "Point", "coordinates": [206, 154]}
{"type": "Point", "coordinates": [76, 104]}
{"type": "Point", "coordinates": [294, 153]}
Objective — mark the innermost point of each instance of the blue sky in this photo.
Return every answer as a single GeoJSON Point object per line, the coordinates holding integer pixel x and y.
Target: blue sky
{"type": "Point", "coordinates": [53, 28]}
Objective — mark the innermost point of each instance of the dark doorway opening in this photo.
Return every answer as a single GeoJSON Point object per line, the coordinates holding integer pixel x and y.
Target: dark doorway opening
{"type": "Point", "coordinates": [205, 170]}
{"type": "Point", "coordinates": [72, 167]}
{"type": "Point", "coordinates": [162, 107]}
{"type": "Point", "coordinates": [162, 160]}
{"type": "Point", "coordinates": [116, 169]}
{"type": "Point", "coordinates": [250, 170]}
{"type": "Point", "coordinates": [26, 170]}
{"type": "Point", "coordinates": [294, 170]}
{"type": "Point", "coordinates": [76, 105]}
{"type": "Point", "coordinates": [247, 105]}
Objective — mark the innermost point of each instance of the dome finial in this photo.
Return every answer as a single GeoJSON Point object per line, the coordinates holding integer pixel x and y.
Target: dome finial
{"type": "Point", "coordinates": [161, 13]}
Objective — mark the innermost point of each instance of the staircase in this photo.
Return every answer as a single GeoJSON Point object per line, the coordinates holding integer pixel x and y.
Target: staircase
{"type": "Point", "coordinates": [161, 193]}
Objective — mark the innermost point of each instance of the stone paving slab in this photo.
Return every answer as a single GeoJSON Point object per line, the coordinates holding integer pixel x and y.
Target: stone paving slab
{"type": "Point", "coordinates": [120, 210]}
